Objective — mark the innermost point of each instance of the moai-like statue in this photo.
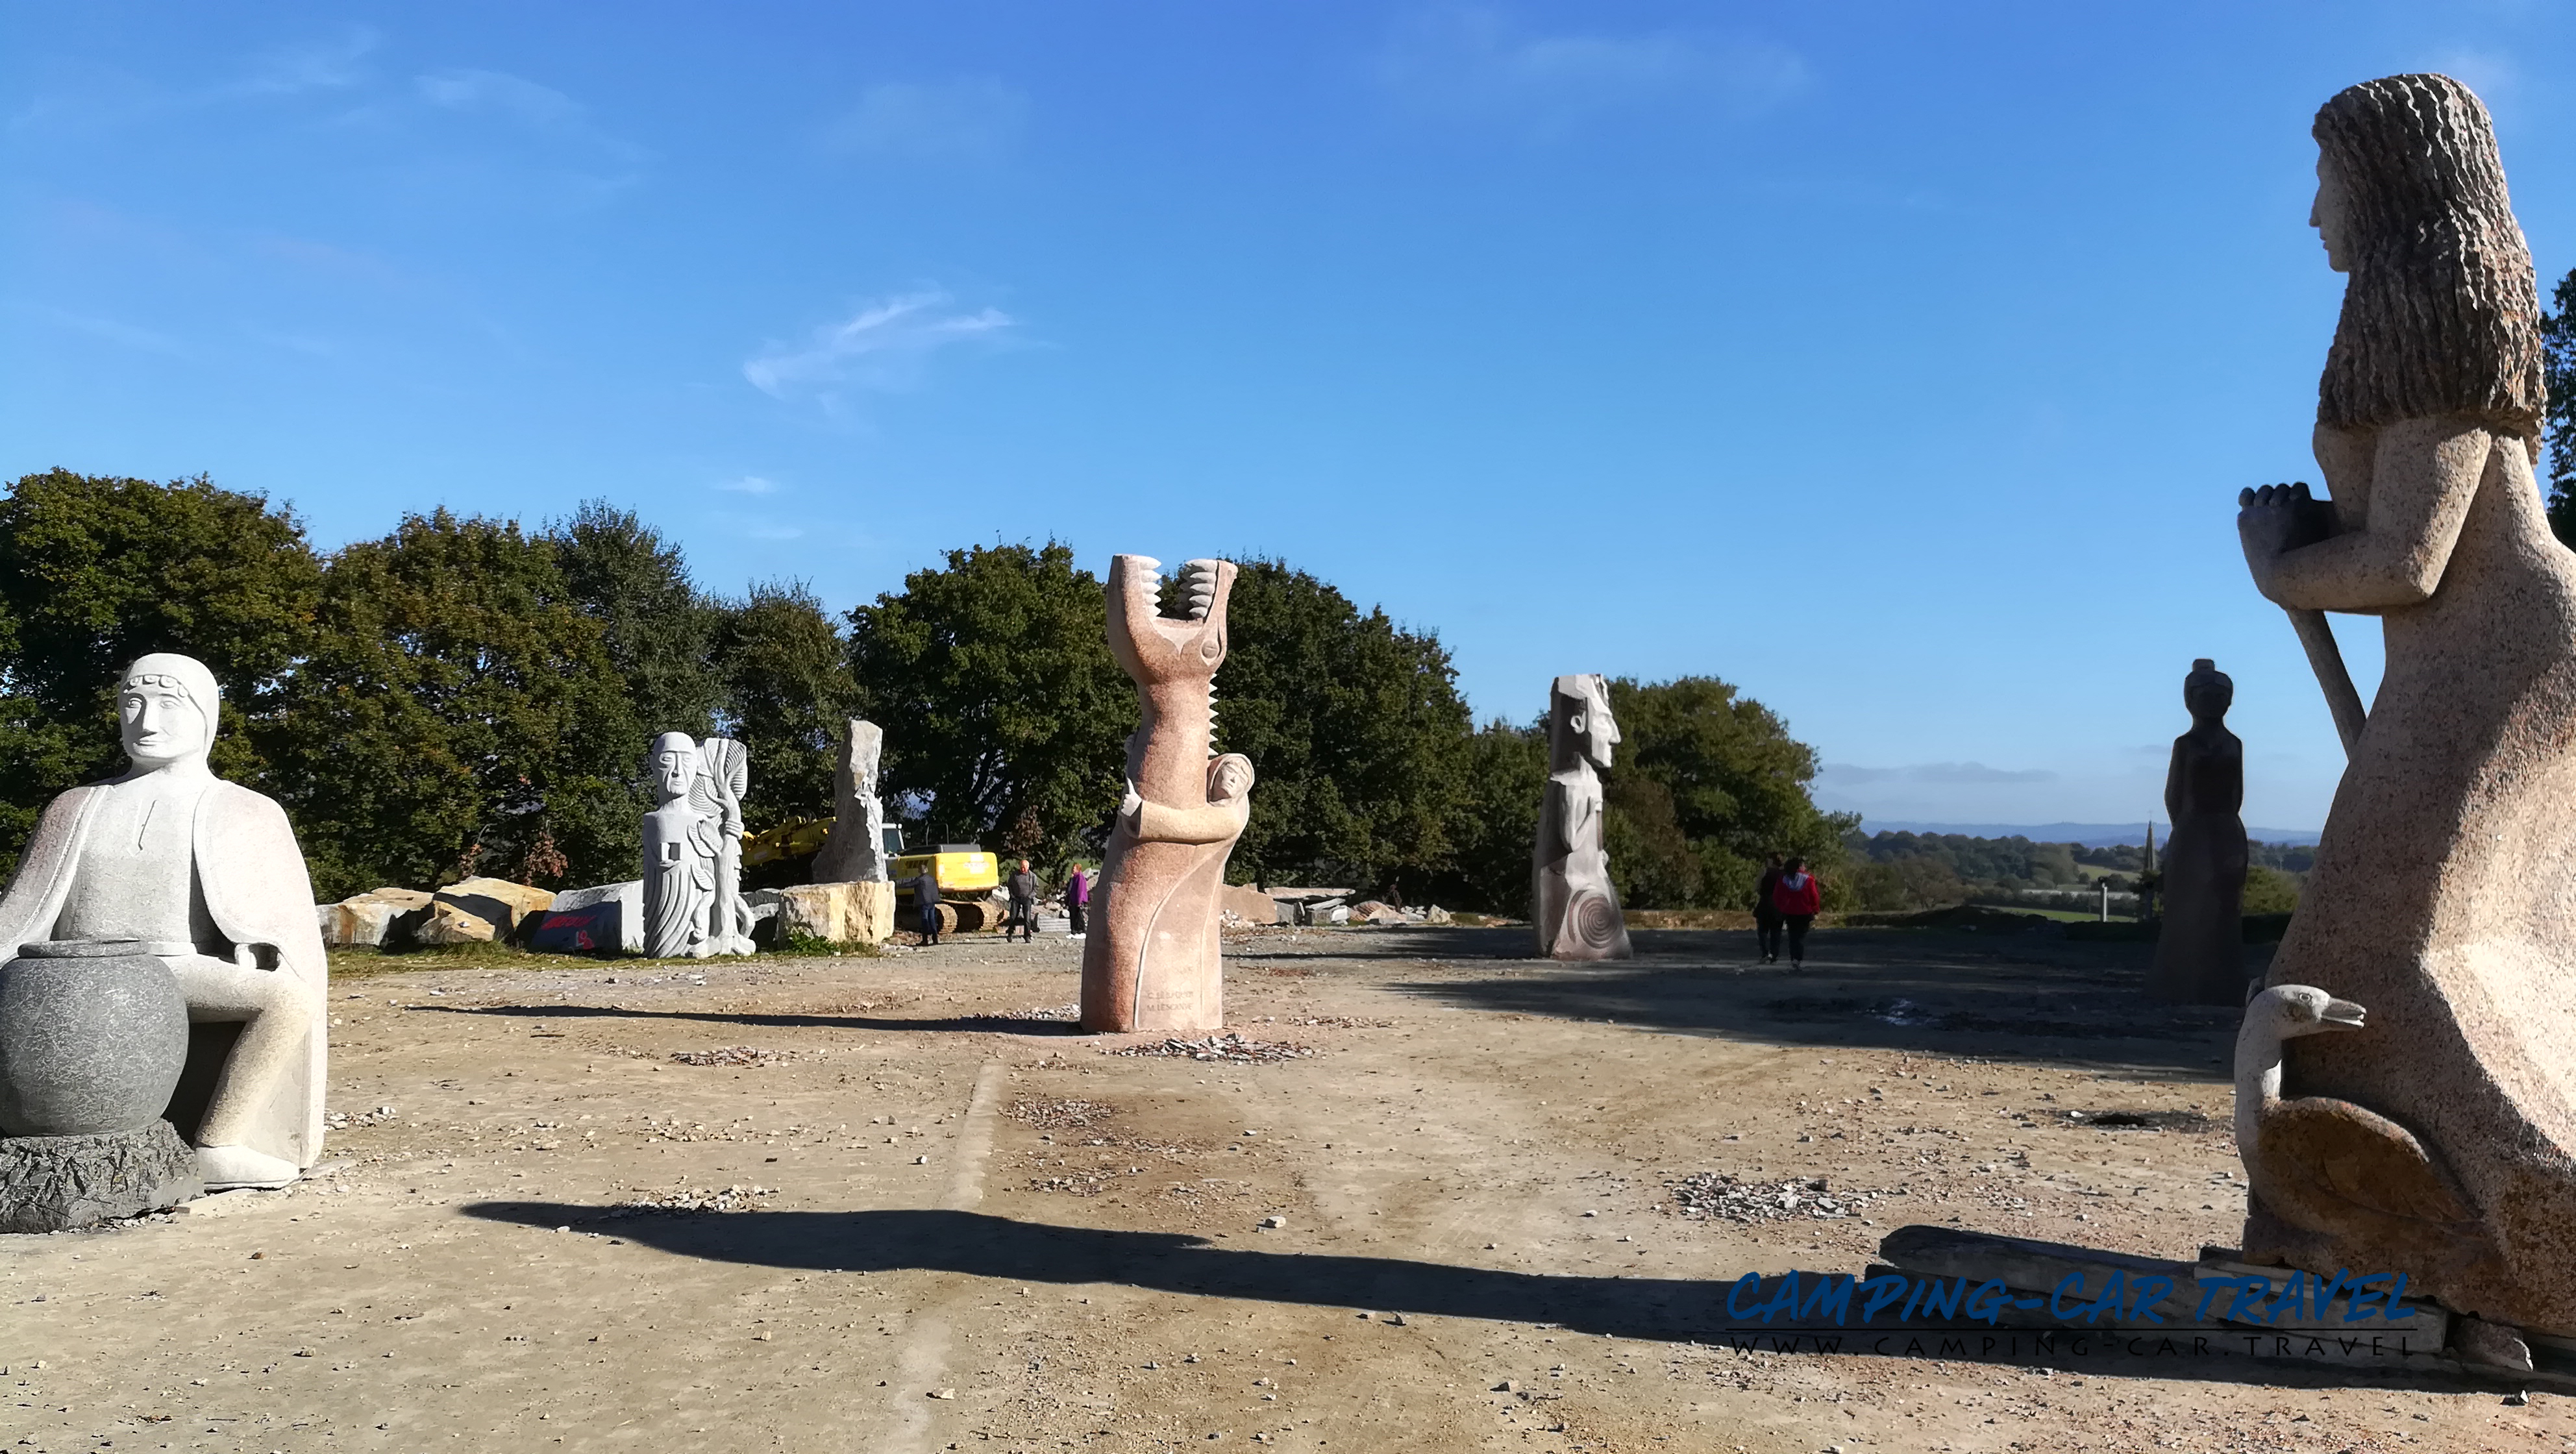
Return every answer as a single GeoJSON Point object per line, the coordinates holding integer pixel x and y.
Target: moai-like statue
{"type": "Point", "coordinates": [1572, 903]}
{"type": "Point", "coordinates": [855, 853]}
{"type": "Point", "coordinates": [172, 865]}
{"type": "Point", "coordinates": [1153, 960]}
{"type": "Point", "coordinates": [693, 904]}
{"type": "Point", "coordinates": [2200, 951]}
{"type": "Point", "coordinates": [2436, 1138]}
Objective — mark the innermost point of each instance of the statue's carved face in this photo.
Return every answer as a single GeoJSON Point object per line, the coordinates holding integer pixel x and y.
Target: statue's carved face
{"type": "Point", "coordinates": [1594, 728]}
{"type": "Point", "coordinates": [1231, 779]}
{"type": "Point", "coordinates": [677, 768]}
{"type": "Point", "coordinates": [2331, 216]}
{"type": "Point", "coordinates": [160, 723]}
{"type": "Point", "coordinates": [2208, 698]}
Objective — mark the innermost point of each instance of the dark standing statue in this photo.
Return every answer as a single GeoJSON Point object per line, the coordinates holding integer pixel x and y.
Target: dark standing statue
{"type": "Point", "coordinates": [2200, 952]}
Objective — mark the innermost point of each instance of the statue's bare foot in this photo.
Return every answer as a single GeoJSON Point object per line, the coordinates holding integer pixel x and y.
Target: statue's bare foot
{"type": "Point", "coordinates": [223, 1168]}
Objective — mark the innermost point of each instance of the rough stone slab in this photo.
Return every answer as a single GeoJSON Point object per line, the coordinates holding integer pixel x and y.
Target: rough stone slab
{"type": "Point", "coordinates": [55, 1183]}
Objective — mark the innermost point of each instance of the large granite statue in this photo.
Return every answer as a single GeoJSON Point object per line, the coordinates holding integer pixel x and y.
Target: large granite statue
{"type": "Point", "coordinates": [2444, 894]}
{"type": "Point", "coordinates": [855, 853]}
{"type": "Point", "coordinates": [171, 863]}
{"type": "Point", "coordinates": [1572, 903]}
{"type": "Point", "coordinates": [2200, 950]}
{"type": "Point", "coordinates": [693, 903]}
{"type": "Point", "coordinates": [1153, 959]}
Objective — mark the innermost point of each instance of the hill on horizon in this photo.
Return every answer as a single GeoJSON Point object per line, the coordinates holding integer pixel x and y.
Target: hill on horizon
{"type": "Point", "coordinates": [2089, 835]}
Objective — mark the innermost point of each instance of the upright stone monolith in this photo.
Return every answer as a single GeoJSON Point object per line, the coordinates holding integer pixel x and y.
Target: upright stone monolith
{"type": "Point", "coordinates": [1574, 906]}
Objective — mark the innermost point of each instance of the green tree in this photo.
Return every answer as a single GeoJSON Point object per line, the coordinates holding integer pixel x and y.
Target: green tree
{"type": "Point", "coordinates": [1737, 785]}
{"type": "Point", "coordinates": [97, 570]}
{"type": "Point", "coordinates": [788, 698]}
{"type": "Point", "coordinates": [1355, 730]}
{"type": "Point", "coordinates": [445, 721]}
{"type": "Point", "coordinates": [2558, 364]}
{"type": "Point", "coordinates": [993, 679]}
{"type": "Point", "coordinates": [1493, 827]}
{"type": "Point", "coordinates": [658, 628]}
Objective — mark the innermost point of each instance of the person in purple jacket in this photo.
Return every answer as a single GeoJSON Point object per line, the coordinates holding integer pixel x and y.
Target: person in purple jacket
{"type": "Point", "coordinates": [1077, 897]}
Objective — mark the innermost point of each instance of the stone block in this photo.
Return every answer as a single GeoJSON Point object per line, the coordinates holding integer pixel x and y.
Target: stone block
{"type": "Point", "coordinates": [843, 913]}
{"type": "Point", "coordinates": [378, 919]}
{"type": "Point", "coordinates": [55, 1183]}
{"type": "Point", "coordinates": [496, 901]}
{"type": "Point", "coordinates": [450, 923]}
{"type": "Point", "coordinates": [1247, 903]}
{"type": "Point", "coordinates": [626, 898]}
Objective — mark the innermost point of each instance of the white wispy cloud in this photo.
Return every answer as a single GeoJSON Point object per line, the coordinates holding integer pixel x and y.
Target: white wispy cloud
{"type": "Point", "coordinates": [1947, 774]}
{"type": "Point", "coordinates": [1475, 59]}
{"type": "Point", "coordinates": [749, 485]}
{"type": "Point", "coordinates": [325, 65]}
{"type": "Point", "coordinates": [558, 136]}
{"type": "Point", "coordinates": [116, 331]}
{"type": "Point", "coordinates": [883, 346]}
{"type": "Point", "coordinates": [970, 119]}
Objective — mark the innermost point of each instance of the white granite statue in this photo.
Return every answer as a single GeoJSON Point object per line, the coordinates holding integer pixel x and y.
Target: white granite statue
{"type": "Point", "coordinates": [693, 904]}
{"type": "Point", "coordinates": [207, 875]}
{"type": "Point", "coordinates": [855, 853]}
{"type": "Point", "coordinates": [1572, 902]}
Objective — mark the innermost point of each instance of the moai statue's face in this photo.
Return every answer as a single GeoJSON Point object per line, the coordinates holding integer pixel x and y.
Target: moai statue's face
{"type": "Point", "coordinates": [1594, 728]}
{"type": "Point", "coordinates": [160, 722]}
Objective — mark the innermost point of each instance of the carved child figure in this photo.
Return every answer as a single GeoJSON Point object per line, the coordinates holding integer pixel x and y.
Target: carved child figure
{"type": "Point", "coordinates": [208, 875]}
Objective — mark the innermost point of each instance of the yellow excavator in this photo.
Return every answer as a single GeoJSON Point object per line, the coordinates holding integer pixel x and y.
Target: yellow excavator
{"type": "Point", "coordinates": [967, 875]}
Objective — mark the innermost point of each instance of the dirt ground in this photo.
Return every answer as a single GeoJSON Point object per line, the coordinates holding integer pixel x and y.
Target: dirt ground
{"type": "Point", "coordinates": [926, 1215]}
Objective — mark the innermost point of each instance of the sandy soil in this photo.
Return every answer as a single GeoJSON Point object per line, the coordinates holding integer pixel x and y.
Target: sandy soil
{"type": "Point", "coordinates": [956, 1225]}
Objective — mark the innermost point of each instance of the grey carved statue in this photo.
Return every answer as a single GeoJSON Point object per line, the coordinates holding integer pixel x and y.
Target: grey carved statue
{"type": "Point", "coordinates": [855, 853]}
{"type": "Point", "coordinates": [2442, 1139]}
{"type": "Point", "coordinates": [693, 904]}
{"type": "Point", "coordinates": [2200, 950]}
{"type": "Point", "coordinates": [1573, 905]}
{"type": "Point", "coordinates": [204, 875]}
{"type": "Point", "coordinates": [1153, 960]}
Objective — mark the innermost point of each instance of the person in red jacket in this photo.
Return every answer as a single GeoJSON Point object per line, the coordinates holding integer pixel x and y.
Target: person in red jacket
{"type": "Point", "coordinates": [1797, 896]}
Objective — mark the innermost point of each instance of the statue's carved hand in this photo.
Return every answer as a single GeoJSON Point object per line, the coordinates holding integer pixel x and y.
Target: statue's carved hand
{"type": "Point", "coordinates": [2277, 519]}
{"type": "Point", "coordinates": [1131, 808]}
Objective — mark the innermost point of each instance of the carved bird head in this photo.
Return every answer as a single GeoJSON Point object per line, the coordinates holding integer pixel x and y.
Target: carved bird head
{"type": "Point", "coordinates": [2298, 1009]}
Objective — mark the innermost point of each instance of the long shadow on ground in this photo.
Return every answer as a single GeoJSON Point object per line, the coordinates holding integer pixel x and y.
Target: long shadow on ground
{"type": "Point", "coordinates": [1665, 1309]}
{"type": "Point", "coordinates": [981, 1024]}
{"type": "Point", "coordinates": [1931, 992]}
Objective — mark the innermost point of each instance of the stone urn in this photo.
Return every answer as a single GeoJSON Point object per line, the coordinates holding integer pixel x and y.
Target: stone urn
{"type": "Point", "coordinates": [92, 1038]}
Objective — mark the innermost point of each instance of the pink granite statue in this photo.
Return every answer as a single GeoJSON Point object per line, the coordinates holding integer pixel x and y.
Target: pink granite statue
{"type": "Point", "coordinates": [2440, 1140]}
{"type": "Point", "coordinates": [1152, 961]}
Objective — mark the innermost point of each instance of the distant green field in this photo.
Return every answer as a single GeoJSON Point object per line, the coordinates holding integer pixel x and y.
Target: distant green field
{"type": "Point", "coordinates": [2063, 916]}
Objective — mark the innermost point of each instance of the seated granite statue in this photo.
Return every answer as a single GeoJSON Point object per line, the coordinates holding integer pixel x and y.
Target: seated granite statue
{"type": "Point", "coordinates": [208, 876]}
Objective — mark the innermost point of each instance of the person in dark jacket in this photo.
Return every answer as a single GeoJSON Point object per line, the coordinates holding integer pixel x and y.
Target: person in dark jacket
{"type": "Point", "coordinates": [1766, 914]}
{"type": "Point", "coordinates": [1798, 897]}
{"type": "Point", "coordinates": [925, 902]}
{"type": "Point", "coordinates": [1023, 888]}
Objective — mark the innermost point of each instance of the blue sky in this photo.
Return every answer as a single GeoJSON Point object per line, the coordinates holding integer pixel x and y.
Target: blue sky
{"type": "Point", "coordinates": [1897, 363]}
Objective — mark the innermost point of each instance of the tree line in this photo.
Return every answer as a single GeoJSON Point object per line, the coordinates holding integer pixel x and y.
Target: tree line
{"type": "Point", "coordinates": [465, 695]}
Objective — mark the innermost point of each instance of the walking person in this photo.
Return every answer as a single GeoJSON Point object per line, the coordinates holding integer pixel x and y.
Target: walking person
{"type": "Point", "coordinates": [925, 902]}
{"type": "Point", "coordinates": [1798, 896]}
{"type": "Point", "coordinates": [1077, 897]}
{"type": "Point", "coordinates": [1023, 887]}
{"type": "Point", "coordinates": [1766, 914]}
